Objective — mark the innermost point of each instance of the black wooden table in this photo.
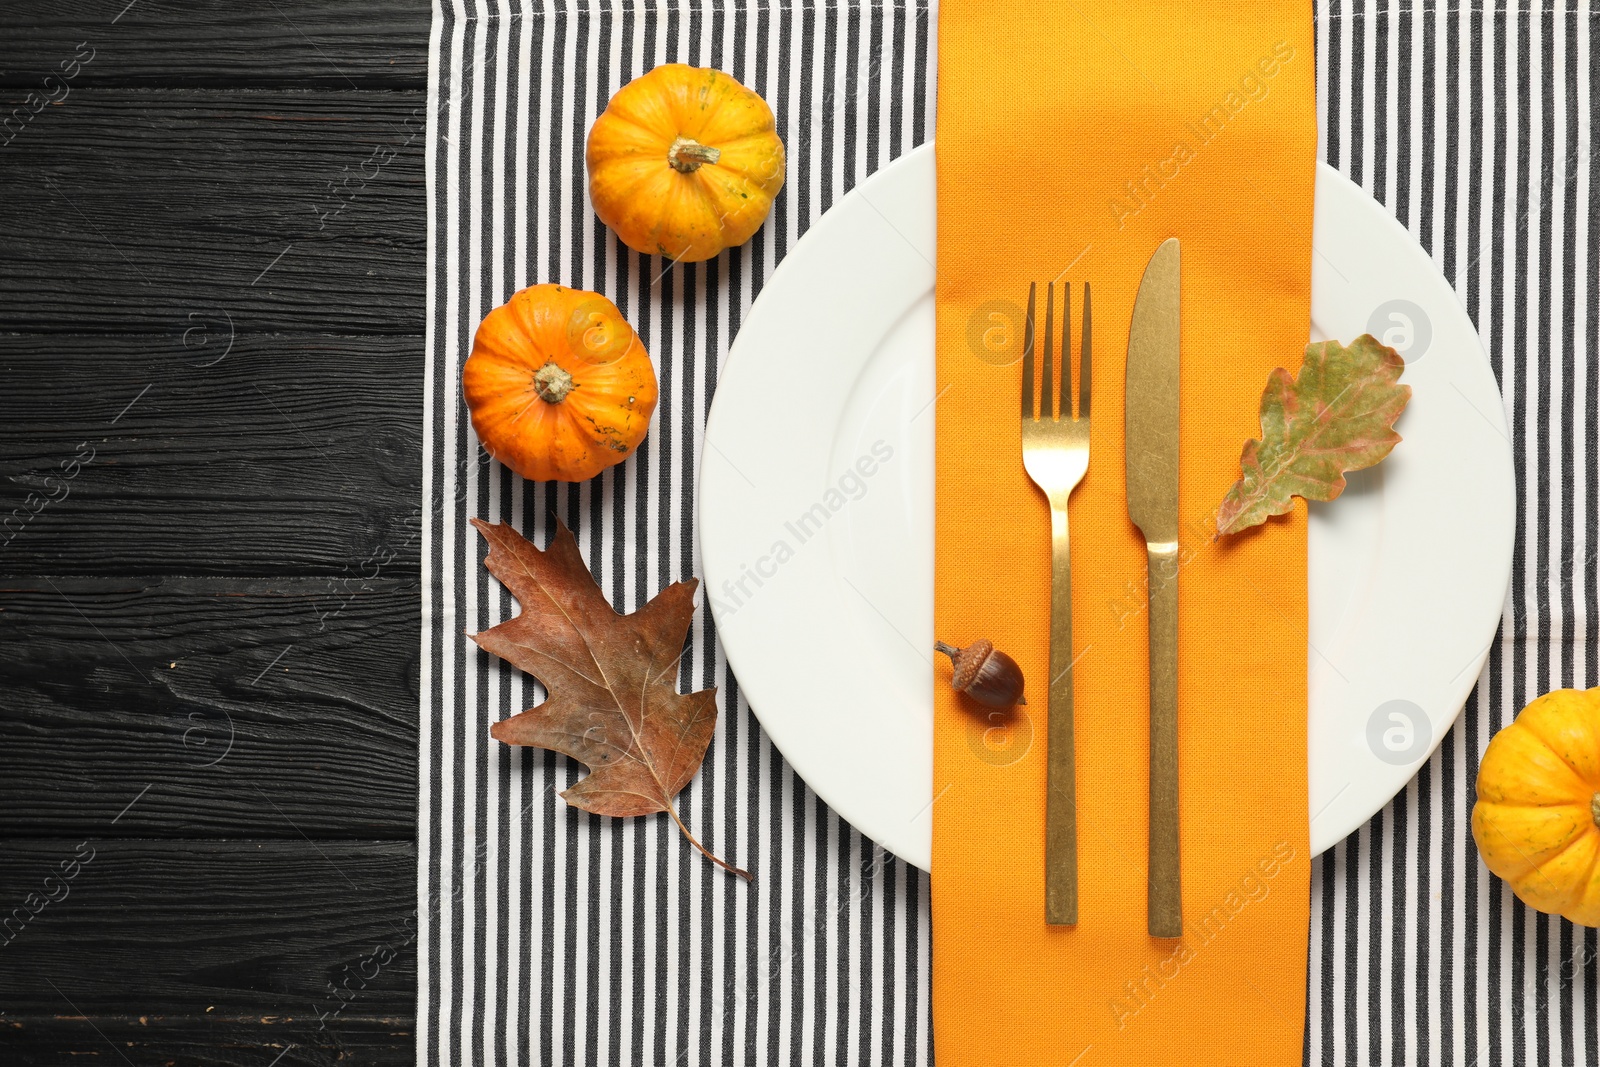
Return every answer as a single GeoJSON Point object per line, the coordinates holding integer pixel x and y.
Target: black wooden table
{"type": "Point", "coordinates": [211, 302]}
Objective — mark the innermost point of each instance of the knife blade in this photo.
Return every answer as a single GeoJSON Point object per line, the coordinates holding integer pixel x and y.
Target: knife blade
{"type": "Point", "coordinates": [1152, 399]}
{"type": "Point", "coordinates": [1151, 452]}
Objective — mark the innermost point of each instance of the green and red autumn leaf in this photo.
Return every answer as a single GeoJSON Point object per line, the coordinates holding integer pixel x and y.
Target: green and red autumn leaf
{"type": "Point", "coordinates": [1337, 415]}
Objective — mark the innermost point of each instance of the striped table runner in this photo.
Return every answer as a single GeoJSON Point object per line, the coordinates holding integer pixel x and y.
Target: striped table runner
{"type": "Point", "coordinates": [549, 936]}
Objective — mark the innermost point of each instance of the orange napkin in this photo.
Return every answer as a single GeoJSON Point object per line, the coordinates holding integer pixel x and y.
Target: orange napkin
{"type": "Point", "coordinates": [1072, 139]}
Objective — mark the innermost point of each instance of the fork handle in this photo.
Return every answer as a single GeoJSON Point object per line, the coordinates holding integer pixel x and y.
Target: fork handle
{"type": "Point", "coordinates": [1165, 895]}
{"type": "Point", "coordinates": [1061, 805]}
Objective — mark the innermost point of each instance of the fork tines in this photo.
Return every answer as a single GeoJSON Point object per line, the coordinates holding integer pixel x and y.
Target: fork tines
{"type": "Point", "coordinates": [1047, 387]}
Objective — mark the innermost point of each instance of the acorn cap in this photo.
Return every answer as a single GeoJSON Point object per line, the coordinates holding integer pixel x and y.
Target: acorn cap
{"type": "Point", "coordinates": [969, 661]}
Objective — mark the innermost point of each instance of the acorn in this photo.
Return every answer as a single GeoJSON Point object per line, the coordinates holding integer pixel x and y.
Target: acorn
{"type": "Point", "coordinates": [984, 673]}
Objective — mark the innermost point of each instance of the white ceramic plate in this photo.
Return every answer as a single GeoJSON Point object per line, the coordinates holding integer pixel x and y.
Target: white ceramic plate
{"type": "Point", "coordinates": [816, 514]}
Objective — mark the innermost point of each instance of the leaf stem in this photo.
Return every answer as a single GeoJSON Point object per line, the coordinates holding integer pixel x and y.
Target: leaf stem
{"type": "Point", "coordinates": [695, 841]}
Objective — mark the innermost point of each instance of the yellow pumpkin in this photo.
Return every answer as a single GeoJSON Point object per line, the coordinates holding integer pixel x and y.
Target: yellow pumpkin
{"type": "Point", "coordinates": [558, 384]}
{"type": "Point", "coordinates": [1537, 819]}
{"type": "Point", "coordinates": [684, 162]}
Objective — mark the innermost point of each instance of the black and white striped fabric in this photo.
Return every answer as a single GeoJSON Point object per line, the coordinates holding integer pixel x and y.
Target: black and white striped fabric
{"type": "Point", "coordinates": [1474, 125]}
{"type": "Point", "coordinates": [549, 936]}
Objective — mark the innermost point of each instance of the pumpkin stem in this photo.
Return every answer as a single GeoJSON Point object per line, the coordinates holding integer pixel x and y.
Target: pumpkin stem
{"type": "Point", "coordinates": [552, 383]}
{"type": "Point", "coordinates": [1594, 808]}
{"type": "Point", "coordinates": [686, 155]}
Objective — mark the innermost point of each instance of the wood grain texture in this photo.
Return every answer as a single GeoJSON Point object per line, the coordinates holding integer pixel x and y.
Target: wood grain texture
{"type": "Point", "coordinates": [304, 932]}
{"type": "Point", "coordinates": [213, 280]}
{"type": "Point", "coordinates": [212, 452]}
{"type": "Point", "coordinates": [331, 44]}
{"type": "Point", "coordinates": [281, 210]}
{"type": "Point", "coordinates": [248, 1039]}
{"type": "Point", "coordinates": [266, 708]}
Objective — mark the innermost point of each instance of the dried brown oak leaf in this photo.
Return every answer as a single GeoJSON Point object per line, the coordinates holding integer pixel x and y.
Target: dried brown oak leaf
{"type": "Point", "coordinates": [614, 703]}
{"type": "Point", "coordinates": [1337, 415]}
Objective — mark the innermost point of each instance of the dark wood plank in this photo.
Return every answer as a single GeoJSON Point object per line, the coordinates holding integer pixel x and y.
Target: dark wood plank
{"type": "Point", "coordinates": [209, 453]}
{"type": "Point", "coordinates": [251, 1039]}
{"type": "Point", "coordinates": [177, 707]}
{"type": "Point", "coordinates": [310, 935]}
{"type": "Point", "coordinates": [282, 480]}
{"type": "Point", "coordinates": [137, 210]}
{"type": "Point", "coordinates": [334, 44]}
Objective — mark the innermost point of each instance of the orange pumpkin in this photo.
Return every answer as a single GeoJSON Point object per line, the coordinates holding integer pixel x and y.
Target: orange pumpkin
{"type": "Point", "coordinates": [1537, 819]}
{"type": "Point", "coordinates": [559, 386]}
{"type": "Point", "coordinates": [684, 162]}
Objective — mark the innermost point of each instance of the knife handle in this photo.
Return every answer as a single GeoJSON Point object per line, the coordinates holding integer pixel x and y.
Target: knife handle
{"type": "Point", "coordinates": [1061, 804]}
{"type": "Point", "coordinates": [1166, 898]}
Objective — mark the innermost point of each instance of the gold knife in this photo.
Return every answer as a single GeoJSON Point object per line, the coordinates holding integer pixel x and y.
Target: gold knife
{"type": "Point", "coordinates": [1152, 459]}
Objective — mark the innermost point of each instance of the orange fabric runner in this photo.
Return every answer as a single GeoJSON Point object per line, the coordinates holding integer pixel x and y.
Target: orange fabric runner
{"type": "Point", "coordinates": [1072, 139]}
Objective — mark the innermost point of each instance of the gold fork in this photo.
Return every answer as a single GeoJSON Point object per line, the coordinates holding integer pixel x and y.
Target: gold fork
{"type": "Point", "coordinates": [1055, 453]}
